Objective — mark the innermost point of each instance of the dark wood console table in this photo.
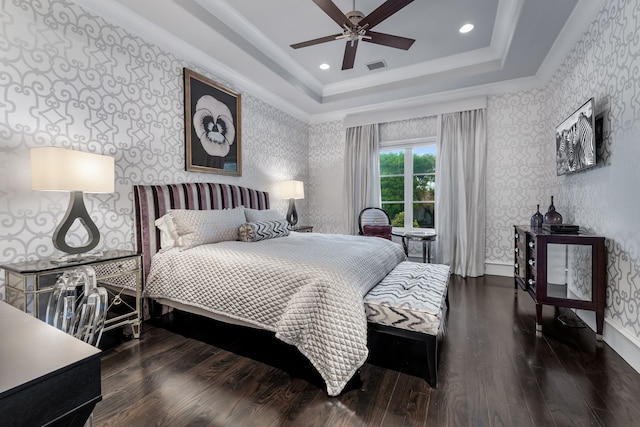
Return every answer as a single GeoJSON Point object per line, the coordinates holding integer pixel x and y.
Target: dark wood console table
{"type": "Point", "coordinates": [46, 376]}
{"type": "Point", "coordinates": [563, 270]}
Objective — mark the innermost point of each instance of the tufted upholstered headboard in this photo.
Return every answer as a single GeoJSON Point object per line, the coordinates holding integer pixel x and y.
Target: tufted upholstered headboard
{"type": "Point", "coordinates": [153, 201]}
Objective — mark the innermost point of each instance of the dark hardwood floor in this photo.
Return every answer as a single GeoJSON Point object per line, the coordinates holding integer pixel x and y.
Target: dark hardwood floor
{"type": "Point", "coordinates": [494, 371]}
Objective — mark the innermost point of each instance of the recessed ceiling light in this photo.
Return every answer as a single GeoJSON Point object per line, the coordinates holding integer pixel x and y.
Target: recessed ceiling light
{"type": "Point", "coordinates": [466, 28]}
{"type": "Point", "coordinates": [324, 66]}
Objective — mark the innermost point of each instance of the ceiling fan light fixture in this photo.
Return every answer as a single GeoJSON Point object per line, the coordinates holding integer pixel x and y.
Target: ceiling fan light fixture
{"type": "Point", "coordinates": [466, 28]}
{"type": "Point", "coordinates": [356, 27]}
{"type": "Point", "coordinates": [355, 16]}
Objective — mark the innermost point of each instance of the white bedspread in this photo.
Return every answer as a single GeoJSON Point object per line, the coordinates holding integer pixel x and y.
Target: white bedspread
{"type": "Point", "coordinates": [307, 287]}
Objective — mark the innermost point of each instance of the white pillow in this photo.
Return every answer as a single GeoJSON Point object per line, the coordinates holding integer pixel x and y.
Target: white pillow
{"type": "Point", "coordinates": [197, 227]}
{"type": "Point", "coordinates": [168, 234]}
{"type": "Point", "coordinates": [258, 215]}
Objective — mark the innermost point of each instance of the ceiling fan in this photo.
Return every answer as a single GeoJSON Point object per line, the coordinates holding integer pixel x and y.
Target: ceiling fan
{"type": "Point", "coordinates": [355, 27]}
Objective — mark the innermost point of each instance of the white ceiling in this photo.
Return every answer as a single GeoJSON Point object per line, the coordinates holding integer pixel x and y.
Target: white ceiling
{"type": "Point", "coordinates": [515, 44]}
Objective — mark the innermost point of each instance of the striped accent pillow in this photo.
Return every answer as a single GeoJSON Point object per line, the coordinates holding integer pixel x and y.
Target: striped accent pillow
{"type": "Point", "coordinates": [263, 230]}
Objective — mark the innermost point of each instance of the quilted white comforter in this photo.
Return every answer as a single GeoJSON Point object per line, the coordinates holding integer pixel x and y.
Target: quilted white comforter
{"type": "Point", "coordinates": [307, 287]}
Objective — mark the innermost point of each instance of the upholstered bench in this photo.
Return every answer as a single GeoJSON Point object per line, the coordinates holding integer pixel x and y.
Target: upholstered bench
{"type": "Point", "coordinates": [411, 302]}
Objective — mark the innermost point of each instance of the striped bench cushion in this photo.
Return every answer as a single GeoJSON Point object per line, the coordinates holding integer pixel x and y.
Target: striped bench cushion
{"type": "Point", "coordinates": [411, 297]}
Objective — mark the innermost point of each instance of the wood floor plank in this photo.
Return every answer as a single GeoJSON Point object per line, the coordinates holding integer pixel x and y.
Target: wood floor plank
{"type": "Point", "coordinates": [565, 404]}
{"type": "Point", "coordinates": [409, 405]}
{"type": "Point", "coordinates": [499, 344]}
{"type": "Point", "coordinates": [599, 380]}
{"type": "Point", "coordinates": [493, 370]}
{"type": "Point", "coordinates": [367, 402]}
{"type": "Point", "coordinates": [233, 396]}
{"type": "Point", "coordinates": [155, 377]}
{"type": "Point", "coordinates": [447, 405]}
{"type": "Point", "coordinates": [460, 392]}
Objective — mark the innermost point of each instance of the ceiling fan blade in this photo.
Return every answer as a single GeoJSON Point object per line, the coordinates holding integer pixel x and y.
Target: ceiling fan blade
{"type": "Point", "coordinates": [383, 11]}
{"type": "Point", "coordinates": [334, 13]}
{"type": "Point", "coordinates": [389, 40]}
{"type": "Point", "coordinates": [349, 54]}
{"type": "Point", "coordinates": [316, 41]}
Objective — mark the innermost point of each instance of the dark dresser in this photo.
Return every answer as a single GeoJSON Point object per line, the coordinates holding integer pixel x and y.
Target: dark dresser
{"type": "Point", "coordinates": [579, 261]}
{"type": "Point", "coordinates": [46, 376]}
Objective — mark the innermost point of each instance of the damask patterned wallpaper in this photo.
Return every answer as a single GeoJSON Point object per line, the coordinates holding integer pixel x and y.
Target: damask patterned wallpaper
{"type": "Point", "coordinates": [327, 205]}
{"type": "Point", "coordinates": [518, 134]}
{"type": "Point", "coordinates": [70, 79]}
{"type": "Point", "coordinates": [421, 127]}
{"type": "Point", "coordinates": [521, 161]}
{"type": "Point", "coordinates": [604, 64]}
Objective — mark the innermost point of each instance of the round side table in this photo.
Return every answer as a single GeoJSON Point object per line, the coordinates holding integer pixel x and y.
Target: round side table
{"type": "Point", "coordinates": [425, 237]}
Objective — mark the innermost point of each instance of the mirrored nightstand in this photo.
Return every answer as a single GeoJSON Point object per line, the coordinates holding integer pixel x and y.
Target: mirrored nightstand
{"type": "Point", "coordinates": [28, 285]}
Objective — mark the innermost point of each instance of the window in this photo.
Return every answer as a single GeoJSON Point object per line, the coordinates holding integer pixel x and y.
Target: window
{"type": "Point", "coordinates": [408, 182]}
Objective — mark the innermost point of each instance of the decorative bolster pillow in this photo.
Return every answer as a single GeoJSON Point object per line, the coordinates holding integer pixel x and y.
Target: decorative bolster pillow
{"type": "Point", "coordinates": [263, 230]}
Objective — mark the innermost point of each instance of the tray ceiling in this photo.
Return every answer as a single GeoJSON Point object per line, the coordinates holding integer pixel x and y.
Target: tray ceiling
{"type": "Point", "coordinates": [514, 43]}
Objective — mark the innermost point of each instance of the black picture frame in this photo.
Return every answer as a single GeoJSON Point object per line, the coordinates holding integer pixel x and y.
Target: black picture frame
{"type": "Point", "coordinates": [599, 130]}
{"type": "Point", "coordinates": [212, 118]}
{"type": "Point", "coordinates": [575, 141]}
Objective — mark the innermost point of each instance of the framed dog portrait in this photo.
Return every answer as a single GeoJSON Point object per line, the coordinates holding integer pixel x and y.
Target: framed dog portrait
{"type": "Point", "coordinates": [212, 126]}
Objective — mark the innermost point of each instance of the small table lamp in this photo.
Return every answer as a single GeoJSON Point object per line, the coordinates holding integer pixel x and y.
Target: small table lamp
{"type": "Point", "coordinates": [59, 169]}
{"type": "Point", "coordinates": [292, 190]}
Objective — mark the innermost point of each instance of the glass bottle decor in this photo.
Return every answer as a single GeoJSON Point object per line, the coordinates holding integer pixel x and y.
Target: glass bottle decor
{"type": "Point", "coordinates": [537, 218]}
{"type": "Point", "coordinates": [552, 217]}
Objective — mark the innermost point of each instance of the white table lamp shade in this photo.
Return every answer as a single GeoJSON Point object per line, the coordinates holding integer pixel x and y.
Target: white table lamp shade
{"type": "Point", "coordinates": [54, 168]}
{"type": "Point", "coordinates": [292, 189]}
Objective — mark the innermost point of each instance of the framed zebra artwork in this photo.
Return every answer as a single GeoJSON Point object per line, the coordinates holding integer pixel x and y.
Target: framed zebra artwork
{"type": "Point", "coordinates": [575, 141]}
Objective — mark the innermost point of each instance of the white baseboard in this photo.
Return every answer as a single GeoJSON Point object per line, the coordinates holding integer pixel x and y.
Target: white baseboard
{"type": "Point", "coordinates": [621, 341]}
{"type": "Point", "coordinates": [495, 268]}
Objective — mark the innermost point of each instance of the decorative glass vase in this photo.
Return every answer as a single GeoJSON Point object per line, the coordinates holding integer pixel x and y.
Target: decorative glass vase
{"type": "Point", "coordinates": [552, 217]}
{"type": "Point", "coordinates": [537, 218]}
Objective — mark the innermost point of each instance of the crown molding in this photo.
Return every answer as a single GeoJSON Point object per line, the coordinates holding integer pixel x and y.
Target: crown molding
{"type": "Point", "coordinates": [432, 100]}
{"type": "Point", "coordinates": [505, 26]}
{"type": "Point", "coordinates": [508, 13]}
{"type": "Point", "coordinates": [507, 17]}
{"type": "Point", "coordinates": [477, 57]}
{"type": "Point", "coordinates": [415, 111]}
{"type": "Point", "coordinates": [578, 23]}
{"type": "Point", "coordinates": [245, 29]}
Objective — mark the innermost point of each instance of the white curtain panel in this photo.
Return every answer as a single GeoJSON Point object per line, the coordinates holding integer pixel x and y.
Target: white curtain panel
{"type": "Point", "coordinates": [460, 198]}
{"type": "Point", "coordinates": [362, 172]}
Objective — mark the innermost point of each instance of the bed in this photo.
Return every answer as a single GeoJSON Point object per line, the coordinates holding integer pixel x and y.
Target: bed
{"type": "Point", "coordinates": [307, 288]}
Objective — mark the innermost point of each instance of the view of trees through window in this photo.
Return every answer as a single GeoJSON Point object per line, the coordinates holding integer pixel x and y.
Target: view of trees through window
{"type": "Point", "coordinates": [407, 185]}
